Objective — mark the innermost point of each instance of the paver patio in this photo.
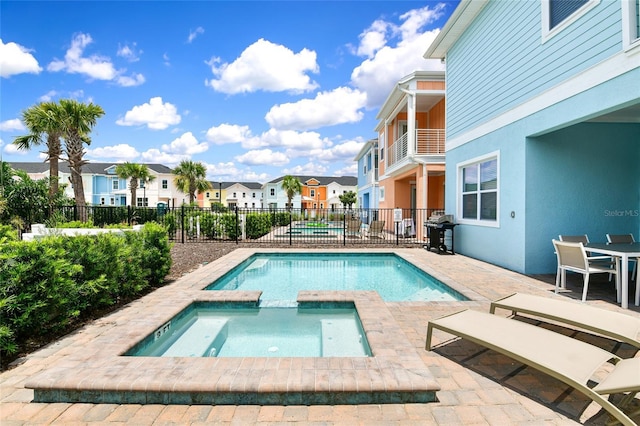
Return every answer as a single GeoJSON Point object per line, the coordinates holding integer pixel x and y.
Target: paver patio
{"type": "Point", "coordinates": [477, 386]}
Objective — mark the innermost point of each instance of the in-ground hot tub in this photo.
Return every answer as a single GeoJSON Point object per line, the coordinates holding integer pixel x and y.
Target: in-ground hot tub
{"type": "Point", "coordinates": [209, 330]}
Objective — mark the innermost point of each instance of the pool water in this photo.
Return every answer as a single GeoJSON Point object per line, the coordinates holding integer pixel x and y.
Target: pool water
{"type": "Point", "coordinates": [281, 276]}
{"type": "Point", "coordinates": [258, 332]}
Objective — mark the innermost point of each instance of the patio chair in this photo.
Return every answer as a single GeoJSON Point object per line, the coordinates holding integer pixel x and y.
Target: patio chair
{"type": "Point", "coordinates": [376, 229]}
{"type": "Point", "coordinates": [353, 228]}
{"type": "Point", "coordinates": [624, 239]}
{"type": "Point", "coordinates": [569, 360]}
{"type": "Point", "coordinates": [611, 324]}
{"type": "Point", "coordinates": [573, 257]}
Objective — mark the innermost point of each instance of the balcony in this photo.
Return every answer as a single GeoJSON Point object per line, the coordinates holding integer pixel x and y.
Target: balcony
{"type": "Point", "coordinates": [428, 142]}
{"type": "Point", "coordinates": [372, 176]}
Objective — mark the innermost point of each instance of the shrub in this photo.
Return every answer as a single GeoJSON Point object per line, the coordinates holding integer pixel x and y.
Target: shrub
{"type": "Point", "coordinates": [47, 284]}
{"type": "Point", "coordinates": [257, 225]}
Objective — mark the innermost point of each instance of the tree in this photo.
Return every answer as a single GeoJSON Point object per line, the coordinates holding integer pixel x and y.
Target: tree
{"type": "Point", "coordinates": [135, 173]}
{"type": "Point", "coordinates": [291, 186]}
{"type": "Point", "coordinates": [348, 199]}
{"type": "Point", "coordinates": [191, 177]}
{"type": "Point", "coordinates": [76, 122]}
{"type": "Point", "coordinates": [41, 119]}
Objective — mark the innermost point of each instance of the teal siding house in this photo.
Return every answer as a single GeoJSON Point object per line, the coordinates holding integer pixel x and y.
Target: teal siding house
{"type": "Point", "coordinates": [543, 125]}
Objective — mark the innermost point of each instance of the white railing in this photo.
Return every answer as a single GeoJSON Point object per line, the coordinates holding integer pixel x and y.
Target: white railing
{"type": "Point", "coordinates": [372, 176]}
{"type": "Point", "coordinates": [426, 142]}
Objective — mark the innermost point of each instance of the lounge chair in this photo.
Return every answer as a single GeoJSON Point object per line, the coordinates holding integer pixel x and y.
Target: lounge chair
{"type": "Point", "coordinates": [376, 229]}
{"type": "Point", "coordinates": [353, 228]}
{"type": "Point", "coordinates": [615, 325]}
{"type": "Point", "coordinates": [573, 257]}
{"type": "Point", "coordinates": [569, 360]}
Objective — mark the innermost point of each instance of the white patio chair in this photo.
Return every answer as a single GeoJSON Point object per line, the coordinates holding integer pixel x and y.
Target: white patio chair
{"type": "Point", "coordinates": [623, 239]}
{"type": "Point", "coordinates": [573, 257]}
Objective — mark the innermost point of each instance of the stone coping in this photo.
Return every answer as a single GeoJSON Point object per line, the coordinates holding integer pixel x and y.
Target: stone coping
{"type": "Point", "coordinates": [94, 370]}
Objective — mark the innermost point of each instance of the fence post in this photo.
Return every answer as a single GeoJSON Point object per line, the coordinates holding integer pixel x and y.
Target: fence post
{"type": "Point", "coordinates": [182, 221]}
{"type": "Point", "coordinates": [344, 228]}
{"type": "Point", "coordinates": [290, 237]}
{"type": "Point", "coordinates": [237, 225]}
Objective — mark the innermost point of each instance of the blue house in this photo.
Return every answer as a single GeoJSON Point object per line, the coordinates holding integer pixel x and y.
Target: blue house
{"type": "Point", "coordinates": [543, 125]}
{"type": "Point", "coordinates": [368, 188]}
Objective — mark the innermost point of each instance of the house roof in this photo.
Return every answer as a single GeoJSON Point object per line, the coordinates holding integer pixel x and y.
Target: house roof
{"type": "Point", "coordinates": [365, 148]}
{"type": "Point", "coordinates": [91, 167]}
{"type": "Point", "coordinates": [457, 24]}
{"type": "Point", "coordinates": [225, 185]}
{"type": "Point", "coordinates": [323, 180]}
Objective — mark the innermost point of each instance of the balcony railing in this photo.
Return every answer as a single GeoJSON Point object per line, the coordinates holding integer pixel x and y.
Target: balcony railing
{"type": "Point", "coordinates": [372, 176]}
{"type": "Point", "coordinates": [427, 142]}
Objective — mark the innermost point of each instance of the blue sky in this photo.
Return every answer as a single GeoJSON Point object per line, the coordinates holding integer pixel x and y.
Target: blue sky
{"type": "Point", "coordinates": [252, 89]}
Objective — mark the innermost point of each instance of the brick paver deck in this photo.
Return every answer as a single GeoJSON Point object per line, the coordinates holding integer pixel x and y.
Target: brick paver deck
{"type": "Point", "coordinates": [477, 386]}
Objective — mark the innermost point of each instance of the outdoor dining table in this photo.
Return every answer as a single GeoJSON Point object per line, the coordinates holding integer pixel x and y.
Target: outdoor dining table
{"type": "Point", "coordinates": [624, 251]}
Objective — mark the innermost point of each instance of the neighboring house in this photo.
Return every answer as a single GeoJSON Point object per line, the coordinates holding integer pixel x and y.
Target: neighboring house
{"type": "Point", "coordinates": [318, 192]}
{"type": "Point", "coordinates": [411, 140]}
{"type": "Point", "coordinates": [244, 195]}
{"type": "Point", "coordinates": [543, 125]}
{"type": "Point", "coordinates": [103, 187]}
{"type": "Point", "coordinates": [216, 195]}
{"type": "Point", "coordinates": [368, 190]}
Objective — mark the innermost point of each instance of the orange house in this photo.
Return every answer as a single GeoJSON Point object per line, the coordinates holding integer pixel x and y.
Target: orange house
{"type": "Point", "coordinates": [314, 195]}
{"type": "Point", "coordinates": [411, 141]}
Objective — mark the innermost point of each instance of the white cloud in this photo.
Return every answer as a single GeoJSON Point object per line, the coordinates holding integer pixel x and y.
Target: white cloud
{"type": "Point", "coordinates": [12, 149]}
{"type": "Point", "coordinates": [228, 172]}
{"type": "Point", "coordinates": [16, 59]}
{"type": "Point", "coordinates": [350, 170]}
{"type": "Point", "coordinates": [48, 96]}
{"type": "Point", "coordinates": [156, 156]}
{"type": "Point", "coordinates": [155, 114]}
{"type": "Point", "coordinates": [341, 105]}
{"type": "Point", "coordinates": [302, 141]}
{"type": "Point", "coordinates": [228, 133]}
{"type": "Point", "coordinates": [165, 59]}
{"type": "Point", "coordinates": [95, 66]}
{"type": "Point", "coordinates": [265, 66]}
{"type": "Point", "coordinates": [193, 34]}
{"type": "Point", "coordinates": [345, 151]}
{"type": "Point", "coordinates": [187, 144]}
{"type": "Point", "coordinates": [13, 124]}
{"type": "Point", "coordinates": [120, 152]}
{"type": "Point", "coordinates": [263, 157]}
{"type": "Point", "coordinates": [307, 169]}
{"type": "Point", "coordinates": [129, 81]}
{"type": "Point", "coordinates": [130, 53]}
{"type": "Point", "coordinates": [386, 64]}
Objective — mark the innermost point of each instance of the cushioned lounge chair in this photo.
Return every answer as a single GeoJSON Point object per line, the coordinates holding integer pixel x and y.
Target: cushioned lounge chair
{"type": "Point", "coordinates": [353, 228]}
{"type": "Point", "coordinates": [376, 229]}
{"type": "Point", "coordinates": [615, 325]}
{"type": "Point", "coordinates": [569, 360]}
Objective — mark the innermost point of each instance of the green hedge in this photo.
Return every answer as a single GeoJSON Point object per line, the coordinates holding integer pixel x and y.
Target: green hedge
{"type": "Point", "coordinates": [46, 284]}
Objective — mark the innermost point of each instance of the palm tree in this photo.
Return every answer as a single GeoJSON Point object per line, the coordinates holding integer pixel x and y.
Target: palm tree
{"type": "Point", "coordinates": [76, 122]}
{"type": "Point", "coordinates": [135, 173]}
{"type": "Point", "coordinates": [291, 186]}
{"type": "Point", "coordinates": [40, 119]}
{"type": "Point", "coordinates": [191, 177]}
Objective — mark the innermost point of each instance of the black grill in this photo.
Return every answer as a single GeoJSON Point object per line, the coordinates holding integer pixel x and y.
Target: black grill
{"type": "Point", "coordinates": [436, 227]}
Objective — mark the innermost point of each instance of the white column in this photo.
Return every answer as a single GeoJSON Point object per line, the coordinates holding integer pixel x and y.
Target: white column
{"type": "Point", "coordinates": [411, 124]}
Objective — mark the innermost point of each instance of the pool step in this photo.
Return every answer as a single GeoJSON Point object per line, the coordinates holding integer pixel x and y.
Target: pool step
{"type": "Point", "coordinates": [257, 264]}
{"type": "Point", "coordinates": [195, 341]}
{"type": "Point", "coordinates": [341, 337]}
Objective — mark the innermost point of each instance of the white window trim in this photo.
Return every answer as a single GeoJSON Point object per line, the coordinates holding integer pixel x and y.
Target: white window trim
{"type": "Point", "coordinates": [459, 167]}
{"type": "Point", "coordinates": [549, 33]}
{"type": "Point", "coordinates": [381, 188]}
{"type": "Point", "coordinates": [630, 40]}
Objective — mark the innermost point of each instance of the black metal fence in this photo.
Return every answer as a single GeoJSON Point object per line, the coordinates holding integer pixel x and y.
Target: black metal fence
{"type": "Point", "coordinates": [273, 226]}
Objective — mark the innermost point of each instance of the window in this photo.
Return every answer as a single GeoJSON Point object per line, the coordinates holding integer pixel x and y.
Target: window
{"type": "Point", "coordinates": [478, 200]}
{"type": "Point", "coordinates": [253, 205]}
{"type": "Point", "coordinates": [217, 195]}
{"type": "Point", "coordinates": [381, 154]}
{"type": "Point", "coordinates": [334, 191]}
{"type": "Point", "coordinates": [364, 169]}
{"type": "Point", "coordinates": [234, 195]}
{"type": "Point", "coordinates": [141, 183]}
{"type": "Point", "coordinates": [102, 201]}
{"type": "Point", "coordinates": [244, 195]}
{"type": "Point", "coordinates": [272, 192]}
{"type": "Point", "coordinates": [559, 14]}
{"type": "Point", "coordinates": [112, 201]}
{"type": "Point", "coordinates": [115, 184]}
{"type": "Point", "coordinates": [381, 193]}
{"type": "Point", "coordinates": [165, 184]}
{"type": "Point", "coordinates": [245, 205]}
{"type": "Point", "coordinates": [312, 193]}
{"type": "Point", "coordinates": [254, 195]}
{"type": "Point", "coordinates": [630, 24]}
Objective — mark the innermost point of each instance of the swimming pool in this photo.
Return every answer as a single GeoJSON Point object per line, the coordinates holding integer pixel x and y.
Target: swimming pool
{"type": "Point", "coordinates": [280, 276]}
{"type": "Point", "coordinates": [208, 330]}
